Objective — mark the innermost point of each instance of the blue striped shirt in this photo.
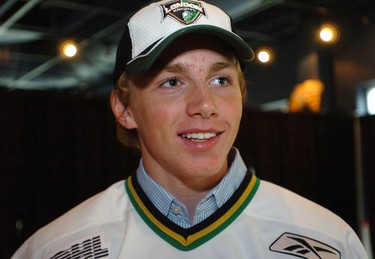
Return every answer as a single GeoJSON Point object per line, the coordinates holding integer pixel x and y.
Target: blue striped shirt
{"type": "Point", "coordinates": [176, 211]}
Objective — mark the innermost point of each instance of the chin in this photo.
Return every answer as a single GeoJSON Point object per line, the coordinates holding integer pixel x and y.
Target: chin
{"type": "Point", "coordinates": [207, 171]}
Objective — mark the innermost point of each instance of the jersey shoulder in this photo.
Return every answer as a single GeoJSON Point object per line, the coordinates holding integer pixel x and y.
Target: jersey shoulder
{"type": "Point", "coordinates": [105, 207]}
{"type": "Point", "coordinates": [276, 203]}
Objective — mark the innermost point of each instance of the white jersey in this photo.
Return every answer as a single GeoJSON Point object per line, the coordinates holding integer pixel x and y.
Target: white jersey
{"type": "Point", "coordinates": [261, 220]}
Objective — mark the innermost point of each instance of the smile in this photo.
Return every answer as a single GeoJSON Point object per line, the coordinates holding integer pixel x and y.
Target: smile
{"type": "Point", "coordinates": [200, 136]}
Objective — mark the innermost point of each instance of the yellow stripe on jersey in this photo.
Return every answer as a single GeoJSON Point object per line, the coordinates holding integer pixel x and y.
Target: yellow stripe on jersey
{"type": "Point", "coordinates": [200, 236]}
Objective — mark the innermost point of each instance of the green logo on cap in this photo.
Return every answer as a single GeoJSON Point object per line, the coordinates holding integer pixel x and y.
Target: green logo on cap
{"type": "Point", "coordinates": [184, 11]}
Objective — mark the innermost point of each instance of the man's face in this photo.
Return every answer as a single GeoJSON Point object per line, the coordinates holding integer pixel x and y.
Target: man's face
{"type": "Point", "coordinates": [187, 111]}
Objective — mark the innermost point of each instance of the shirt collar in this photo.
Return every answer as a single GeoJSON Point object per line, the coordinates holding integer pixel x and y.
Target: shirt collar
{"type": "Point", "coordinates": [222, 192]}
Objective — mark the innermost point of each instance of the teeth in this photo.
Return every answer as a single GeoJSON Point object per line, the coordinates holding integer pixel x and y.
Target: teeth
{"type": "Point", "coordinates": [200, 135]}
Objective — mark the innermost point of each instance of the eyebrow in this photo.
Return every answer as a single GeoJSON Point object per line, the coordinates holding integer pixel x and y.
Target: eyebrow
{"type": "Point", "coordinates": [222, 65]}
{"type": "Point", "coordinates": [182, 67]}
{"type": "Point", "coordinates": [176, 68]}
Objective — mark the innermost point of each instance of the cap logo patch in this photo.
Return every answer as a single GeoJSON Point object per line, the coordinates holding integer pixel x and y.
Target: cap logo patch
{"type": "Point", "coordinates": [184, 11]}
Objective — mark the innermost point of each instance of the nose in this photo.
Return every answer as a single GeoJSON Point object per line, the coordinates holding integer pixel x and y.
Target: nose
{"type": "Point", "coordinates": [202, 102]}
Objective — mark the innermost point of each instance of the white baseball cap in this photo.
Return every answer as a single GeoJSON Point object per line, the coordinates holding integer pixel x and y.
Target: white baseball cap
{"type": "Point", "coordinates": [153, 28]}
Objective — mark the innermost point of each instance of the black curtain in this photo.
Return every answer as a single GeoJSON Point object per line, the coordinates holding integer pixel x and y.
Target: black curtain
{"type": "Point", "coordinates": [57, 149]}
{"type": "Point", "coordinates": [310, 154]}
{"type": "Point", "coordinates": [368, 152]}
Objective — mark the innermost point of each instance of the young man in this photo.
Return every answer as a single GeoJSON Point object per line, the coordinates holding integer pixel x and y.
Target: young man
{"type": "Point", "coordinates": [178, 99]}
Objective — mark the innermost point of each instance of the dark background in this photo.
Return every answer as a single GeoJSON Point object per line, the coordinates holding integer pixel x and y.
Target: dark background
{"type": "Point", "coordinates": [57, 149]}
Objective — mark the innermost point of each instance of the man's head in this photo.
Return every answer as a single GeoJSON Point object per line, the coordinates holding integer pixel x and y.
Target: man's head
{"type": "Point", "coordinates": [152, 30]}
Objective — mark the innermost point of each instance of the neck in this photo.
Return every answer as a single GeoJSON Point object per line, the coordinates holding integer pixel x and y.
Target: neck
{"type": "Point", "coordinates": [191, 202]}
{"type": "Point", "coordinates": [190, 192]}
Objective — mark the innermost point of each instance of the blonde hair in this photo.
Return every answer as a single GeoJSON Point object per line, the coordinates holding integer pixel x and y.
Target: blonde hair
{"type": "Point", "coordinates": [129, 137]}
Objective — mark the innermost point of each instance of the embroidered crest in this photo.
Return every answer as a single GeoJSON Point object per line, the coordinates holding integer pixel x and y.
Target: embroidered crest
{"type": "Point", "coordinates": [184, 11]}
{"type": "Point", "coordinates": [303, 247]}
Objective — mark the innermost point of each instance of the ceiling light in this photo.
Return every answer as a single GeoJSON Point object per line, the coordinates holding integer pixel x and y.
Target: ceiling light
{"type": "Point", "coordinates": [68, 49]}
{"type": "Point", "coordinates": [329, 33]}
{"type": "Point", "coordinates": [265, 55]}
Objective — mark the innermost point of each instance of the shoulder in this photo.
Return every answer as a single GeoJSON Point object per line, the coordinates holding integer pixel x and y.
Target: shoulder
{"type": "Point", "coordinates": [276, 203]}
{"type": "Point", "coordinates": [107, 204]}
{"type": "Point", "coordinates": [102, 208]}
{"type": "Point", "coordinates": [282, 213]}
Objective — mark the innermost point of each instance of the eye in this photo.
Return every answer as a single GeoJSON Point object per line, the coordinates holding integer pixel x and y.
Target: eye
{"type": "Point", "coordinates": [171, 82]}
{"type": "Point", "coordinates": [220, 80]}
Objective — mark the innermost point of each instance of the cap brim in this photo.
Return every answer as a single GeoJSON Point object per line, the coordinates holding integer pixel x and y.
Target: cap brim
{"type": "Point", "coordinates": [144, 61]}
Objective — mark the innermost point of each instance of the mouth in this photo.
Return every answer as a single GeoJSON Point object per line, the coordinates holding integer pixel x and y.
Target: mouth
{"type": "Point", "coordinates": [200, 136]}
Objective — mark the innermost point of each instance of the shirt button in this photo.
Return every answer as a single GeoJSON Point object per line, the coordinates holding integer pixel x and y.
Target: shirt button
{"type": "Point", "coordinates": [176, 210]}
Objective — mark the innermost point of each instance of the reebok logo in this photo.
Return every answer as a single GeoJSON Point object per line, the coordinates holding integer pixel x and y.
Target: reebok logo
{"type": "Point", "coordinates": [90, 248]}
{"type": "Point", "coordinates": [303, 247]}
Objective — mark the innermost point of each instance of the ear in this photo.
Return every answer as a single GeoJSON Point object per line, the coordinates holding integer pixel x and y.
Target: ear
{"type": "Point", "coordinates": [123, 114]}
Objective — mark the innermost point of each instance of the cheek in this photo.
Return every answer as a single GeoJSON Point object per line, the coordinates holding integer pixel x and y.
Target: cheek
{"type": "Point", "coordinates": [156, 114]}
{"type": "Point", "coordinates": [237, 115]}
{"type": "Point", "coordinates": [233, 110]}
{"type": "Point", "coordinates": [235, 99]}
